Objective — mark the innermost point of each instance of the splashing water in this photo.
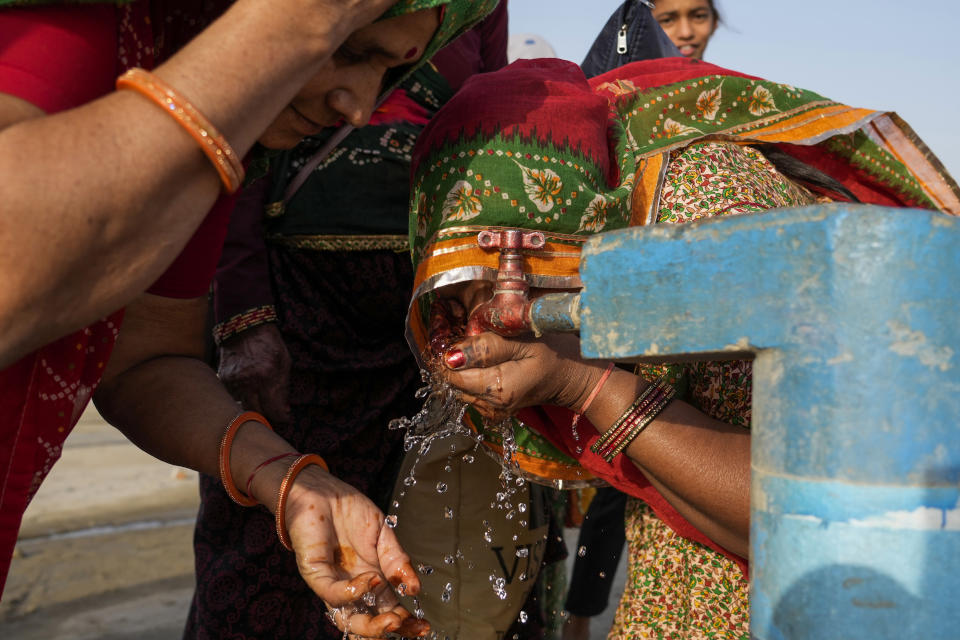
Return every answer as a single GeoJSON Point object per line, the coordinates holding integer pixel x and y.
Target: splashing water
{"type": "Point", "coordinates": [441, 417]}
{"type": "Point", "coordinates": [500, 588]}
{"type": "Point", "coordinates": [370, 598]}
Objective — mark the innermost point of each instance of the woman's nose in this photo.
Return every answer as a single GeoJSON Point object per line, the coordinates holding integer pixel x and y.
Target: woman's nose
{"type": "Point", "coordinates": [684, 29]}
{"type": "Point", "coordinates": [356, 100]}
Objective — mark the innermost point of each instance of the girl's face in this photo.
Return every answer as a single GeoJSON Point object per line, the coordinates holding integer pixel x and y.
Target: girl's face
{"type": "Point", "coordinates": [348, 85]}
{"type": "Point", "coordinates": [688, 23]}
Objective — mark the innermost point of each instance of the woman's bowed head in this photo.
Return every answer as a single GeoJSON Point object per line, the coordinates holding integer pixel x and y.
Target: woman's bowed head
{"type": "Point", "coordinates": [348, 85]}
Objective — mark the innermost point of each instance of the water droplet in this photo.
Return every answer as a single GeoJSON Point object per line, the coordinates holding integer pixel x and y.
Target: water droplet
{"type": "Point", "coordinates": [370, 598]}
{"type": "Point", "coordinates": [448, 513]}
{"type": "Point", "coordinates": [468, 458]}
{"type": "Point", "coordinates": [582, 551]}
{"type": "Point", "coordinates": [603, 574]}
{"type": "Point", "coordinates": [510, 514]}
{"type": "Point", "coordinates": [417, 611]}
{"type": "Point", "coordinates": [441, 487]}
{"type": "Point", "coordinates": [523, 552]}
{"type": "Point", "coordinates": [409, 481]}
{"type": "Point", "coordinates": [448, 468]}
{"type": "Point", "coordinates": [391, 520]}
{"type": "Point", "coordinates": [424, 569]}
{"type": "Point", "coordinates": [402, 588]}
{"type": "Point", "coordinates": [447, 592]}
{"type": "Point", "coordinates": [396, 504]}
{"type": "Point", "coordinates": [523, 616]}
{"type": "Point", "coordinates": [523, 576]}
{"type": "Point", "coordinates": [449, 559]}
{"type": "Point", "coordinates": [522, 507]}
{"type": "Point", "coordinates": [500, 588]}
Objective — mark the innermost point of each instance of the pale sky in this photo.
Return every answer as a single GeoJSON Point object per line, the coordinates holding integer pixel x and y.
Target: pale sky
{"type": "Point", "coordinates": [877, 54]}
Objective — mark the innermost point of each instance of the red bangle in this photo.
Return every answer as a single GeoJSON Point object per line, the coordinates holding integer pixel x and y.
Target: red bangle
{"type": "Point", "coordinates": [225, 476]}
{"type": "Point", "coordinates": [590, 398]}
{"type": "Point", "coordinates": [260, 466]}
{"type": "Point", "coordinates": [295, 468]}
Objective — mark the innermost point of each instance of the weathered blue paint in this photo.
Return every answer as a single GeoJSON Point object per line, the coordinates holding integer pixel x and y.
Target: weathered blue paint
{"type": "Point", "coordinates": [555, 312]}
{"type": "Point", "coordinates": [852, 315]}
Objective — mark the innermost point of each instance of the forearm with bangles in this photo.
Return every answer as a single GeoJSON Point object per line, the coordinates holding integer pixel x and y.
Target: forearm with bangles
{"type": "Point", "coordinates": [699, 464]}
{"type": "Point", "coordinates": [252, 446]}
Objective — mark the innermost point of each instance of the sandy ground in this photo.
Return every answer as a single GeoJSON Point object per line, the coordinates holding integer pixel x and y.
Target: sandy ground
{"type": "Point", "coordinates": [105, 550]}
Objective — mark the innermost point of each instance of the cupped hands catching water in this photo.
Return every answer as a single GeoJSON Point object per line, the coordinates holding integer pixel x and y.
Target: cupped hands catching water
{"type": "Point", "coordinates": [498, 375]}
{"type": "Point", "coordinates": [350, 557]}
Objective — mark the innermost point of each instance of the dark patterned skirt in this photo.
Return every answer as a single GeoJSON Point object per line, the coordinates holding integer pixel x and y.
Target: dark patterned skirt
{"type": "Point", "coordinates": [342, 315]}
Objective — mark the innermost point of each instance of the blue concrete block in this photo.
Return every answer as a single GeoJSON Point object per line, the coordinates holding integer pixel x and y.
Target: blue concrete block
{"type": "Point", "coordinates": [851, 315]}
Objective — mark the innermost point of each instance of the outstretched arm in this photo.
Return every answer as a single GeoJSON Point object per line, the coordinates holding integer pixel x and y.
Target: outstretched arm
{"type": "Point", "coordinates": [99, 199]}
{"type": "Point", "coordinates": [167, 401]}
{"type": "Point", "coordinates": [701, 466]}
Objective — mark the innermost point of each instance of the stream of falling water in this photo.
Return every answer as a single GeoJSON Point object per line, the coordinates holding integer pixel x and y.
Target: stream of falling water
{"type": "Point", "coordinates": [441, 417]}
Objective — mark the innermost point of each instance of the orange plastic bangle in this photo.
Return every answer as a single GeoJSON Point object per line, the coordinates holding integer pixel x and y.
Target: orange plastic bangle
{"type": "Point", "coordinates": [225, 443]}
{"type": "Point", "coordinates": [211, 141]}
{"type": "Point", "coordinates": [295, 468]}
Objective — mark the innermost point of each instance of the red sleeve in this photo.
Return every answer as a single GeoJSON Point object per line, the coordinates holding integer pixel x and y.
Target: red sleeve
{"type": "Point", "coordinates": [58, 57]}
{"type": "Point", "coordinates": [192, 272]}
{"type": "Point", "coordinates": [62, 57]}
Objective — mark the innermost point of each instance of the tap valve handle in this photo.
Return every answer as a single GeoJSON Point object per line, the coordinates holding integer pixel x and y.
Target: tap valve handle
{"type": "Point", "coordinates": [508, 239]}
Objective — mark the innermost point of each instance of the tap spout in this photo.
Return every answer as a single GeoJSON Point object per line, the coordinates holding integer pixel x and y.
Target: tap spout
{"type": "Point", "coordinates": [508, 310]}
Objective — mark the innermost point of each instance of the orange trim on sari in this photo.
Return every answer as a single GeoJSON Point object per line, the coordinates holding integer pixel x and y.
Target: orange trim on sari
{"type": "Point", "coordinates": [643, 209]}
{"type": "Point", "coordinates": [901, 141]}
{"type": "Point", "coordinates": [813, 125]}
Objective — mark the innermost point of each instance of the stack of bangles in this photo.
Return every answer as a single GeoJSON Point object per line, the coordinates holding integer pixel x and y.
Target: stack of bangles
{"type": "Point", "coordinates": [244, 500]}
{"type": "Point", "coordinates": [634, 420]}
{"type": "Point", "coordinates": [214, 145]}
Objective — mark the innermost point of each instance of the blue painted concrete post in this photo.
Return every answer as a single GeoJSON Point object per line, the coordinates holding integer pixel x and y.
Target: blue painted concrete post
{"type": "Point", "coordinates": [852, 314]}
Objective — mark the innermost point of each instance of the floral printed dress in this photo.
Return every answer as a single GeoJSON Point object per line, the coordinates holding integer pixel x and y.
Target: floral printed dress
{"type": "Point", "coordinates": [677, 588]}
